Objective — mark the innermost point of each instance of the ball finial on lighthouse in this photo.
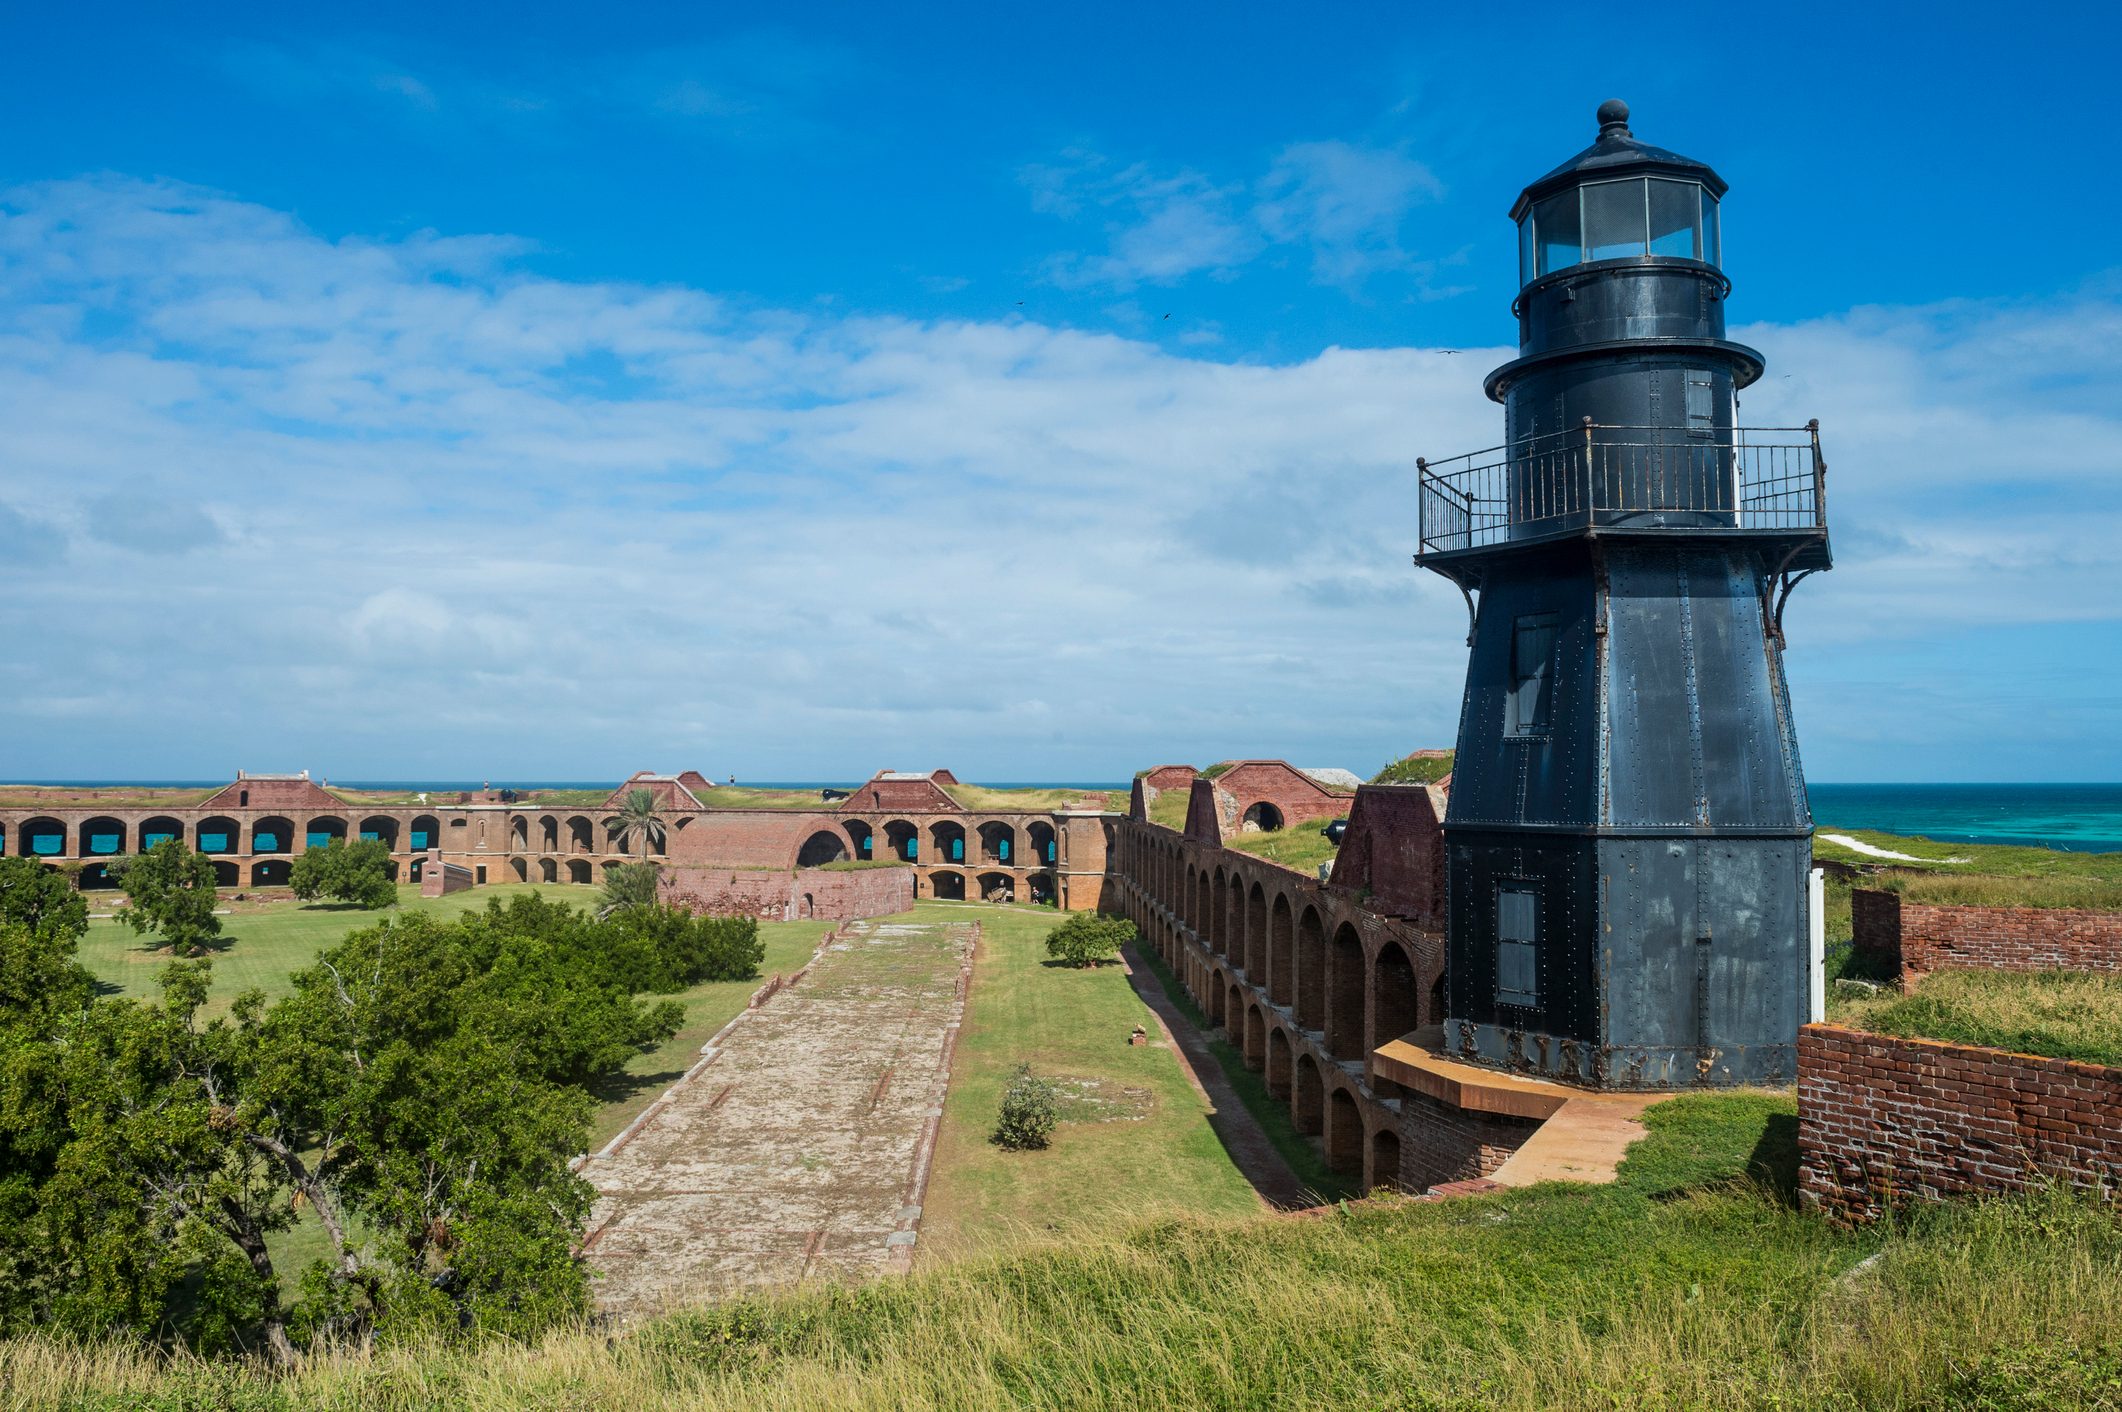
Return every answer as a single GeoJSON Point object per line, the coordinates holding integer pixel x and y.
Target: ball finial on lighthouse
{"type": "Point", "coordinates": [1613, 118]}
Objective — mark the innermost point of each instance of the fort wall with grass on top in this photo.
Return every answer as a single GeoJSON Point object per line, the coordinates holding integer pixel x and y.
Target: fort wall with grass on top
{"type": "Point", "coordinates": [779, 895]}
{"type": "Point", "coordinates": [1883, 1120]}
{"type": "Point", "coordinates": [1918, 937]}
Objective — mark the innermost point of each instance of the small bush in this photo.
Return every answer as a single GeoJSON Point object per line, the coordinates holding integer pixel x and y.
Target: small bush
{"type": "Point", "coordinates": [1030, 1108]}
{"type": "Point", "coordinates": [1087, 938]}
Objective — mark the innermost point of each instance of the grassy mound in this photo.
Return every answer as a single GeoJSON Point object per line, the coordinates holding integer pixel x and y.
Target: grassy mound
{"type": "Point", "coordinates": [2061, 1014]}
{"type": "Point", "coordinates": [1689, 1283]}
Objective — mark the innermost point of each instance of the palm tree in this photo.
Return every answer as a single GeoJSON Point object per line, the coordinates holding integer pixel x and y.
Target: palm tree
{"type": "Point", "coordinates": [638, 822]}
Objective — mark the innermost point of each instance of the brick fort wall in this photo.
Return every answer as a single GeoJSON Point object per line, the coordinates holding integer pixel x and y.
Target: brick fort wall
{"type": "Point", "coordinates": [1919, 937]}
{"type": "Point", "coordinates": [1883, 1119]}
{"type": "Point", "coordinates": [774, 895]}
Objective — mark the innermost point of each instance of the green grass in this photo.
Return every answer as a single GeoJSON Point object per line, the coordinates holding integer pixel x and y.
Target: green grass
{"type": "Point", "coordinates": [983, 798]}
{"type": "Point", "coordinates": [1412, 770]}
{"type": "Point", "coordinates": [1688, 1283]}
{"type": "Point", "coordinates": [1306, 1156]}
{"type": "Point", "coordinates": [2061, 1014]}
{"type": "Point", "coordinates": [1982, 859]}
{"type": "Point", "coordinates": [724, 796]}
{"type": "Point", "coordinates": [1169, 808]}
{"type": "Point", "coordinates": [1983, 890]}
{"type": "Point", "coordinates": [1065, 1023]}
{"type": "Point", "coordinates": [1300, 847]}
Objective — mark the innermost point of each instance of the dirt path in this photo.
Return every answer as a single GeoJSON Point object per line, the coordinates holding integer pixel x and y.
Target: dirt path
{"type": "Point", "coordinates": [801, 1147]}
{"type": "Point", "coordinates": [1241, 1133]}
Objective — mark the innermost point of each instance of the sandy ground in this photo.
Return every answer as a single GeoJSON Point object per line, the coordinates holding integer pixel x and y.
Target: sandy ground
{"type": "Point", "coordinates": [1858, 845]}
{"type": "Point", "coordinates": [800, 1150]}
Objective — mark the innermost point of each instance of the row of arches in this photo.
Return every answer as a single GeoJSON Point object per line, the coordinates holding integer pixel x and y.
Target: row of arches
{"type": "Point", "coordinates": [104, 836]}
{"type": "Point", "coordinates": [1304, 984]}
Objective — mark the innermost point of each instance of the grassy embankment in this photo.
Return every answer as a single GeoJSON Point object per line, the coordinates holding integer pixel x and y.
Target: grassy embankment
{"type": "Point", "coordinates": [1691, 1282]}
{"type": "Point", "coordinates": [1300, 847]}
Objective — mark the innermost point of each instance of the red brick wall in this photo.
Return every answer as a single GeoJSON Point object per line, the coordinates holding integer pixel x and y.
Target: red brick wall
{"type": "Point", "coordinates": [773, 895]}
{"type": "Point", "coordinates": [1299, 798]}
{"type": "Point", "coordinates": [922, 796]}
{"type": "Point", "coordinates": [272, 794]}
{"type": "Point", "coordinates": [1882, 1119]}
{"type": "Point", "coordinates": [1924, 938]}
{"type": "Point", "coordinates": [1394, 850]}
{"type": "Point", "coordinates": [439, 879]}
{"type": "Point", "coordinates": [1442, 1143]}
{"type": "Point", "coordinates": [1170, 777]}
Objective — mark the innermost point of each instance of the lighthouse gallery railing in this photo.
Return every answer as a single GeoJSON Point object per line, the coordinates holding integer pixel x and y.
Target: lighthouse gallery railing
{"type": "Point", "coordinates": [1617, 477]}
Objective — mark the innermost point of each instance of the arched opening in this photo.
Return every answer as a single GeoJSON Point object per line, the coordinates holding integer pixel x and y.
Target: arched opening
{"type": "Point", "coordinates": [1045, 846]}
{"type": "Point", "coordinates": [425, 833]}
{"type": "Point", "coordinates": [270, 872]}
{"type": "Point", "coordinates": [948, 887]}
{"type": "Point", "coordinates": [161, 829]}
{"type": "Point", "coordinates": [1311, 971]}
{"type": "Point", "coordinates": [381, 828]}
{"type": "Point", "coordinates": [997, 887]}
{"type": "Point", "coordinates": [1045, 892]}
{"type": "Point", "coordinates": [581, 835]}
{"type": "Point", "coordinates": [548, 870]}
{"type": "Point", "coordinates": [1395, 1001]}
{"type": "Point", "coordinates": [520, 868]}
{"type": "Point", "coordinates": [227, 874]}
{"type": "Point", "coordinates": [1307, 1095]}
{"type": "Point", "coordinates": [998, 843]}
{"type": "Point", "coordinates": [809, 908]}
{"type": "Point", "coordinates": [947, 838]}
{"type": "Point", "coordinates": [578, 870]}
{"type": "Point", "coordinates": [824, 846]}
{"type": "Point", "coordinates": [1344, 994]}
{"type": "Point", "coordinates": [858, 838]}
{"type": "Point", "coordinates": [1216, 1007]}
{"type": "Point", "coordinates": [323, 831]}
{"type": "Point", "coordinates": [610, 864]}
{"type": "Point", "coordinates": [1281, 953]}
{"type": "Point", "coordinates": [219, 834]}
{"type": "Point", "coordinates": [1344, 1134]}
{"type": "Point", "coordinates": [1234, 1015]}
{"type": "Point", "coordinates": [904, 840]}
{"type": "Point", "coordinates": [519, 833]}
{"type": "Point", "coordinates": [271, 834]}
{"type": "Point", "coordinates": [1385, 1157]}
{"type": "Point", "coordinates": [548, 834]}
{"type": "Point", "coordinates": [1256, 936]}
{"type": "Point", "coordinates": [94, 877]}
{"type": "Point", "coordinates": [102, 837]}
{"type": "Point", "coordinates": [1278, 1062]}
{"type": "Point", "coordinates": [1260, 818]}
{"type": "Point", "coordinates": [1255, 1039]}
{"type": "Point", "coordinates": [1219, 918]}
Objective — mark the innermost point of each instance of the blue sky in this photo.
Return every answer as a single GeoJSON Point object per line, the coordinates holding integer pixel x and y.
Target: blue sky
{"type": "Point", "coordinates": [546, 392]}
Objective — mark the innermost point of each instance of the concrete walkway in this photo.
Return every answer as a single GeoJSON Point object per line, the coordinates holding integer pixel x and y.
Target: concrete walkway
{"type": "Point", "coordinates": [1242, 1136]}
{"type": "Point", "coordinates": [801, 1147]}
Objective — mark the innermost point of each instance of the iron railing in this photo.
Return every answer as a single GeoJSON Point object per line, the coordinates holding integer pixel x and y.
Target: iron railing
{"type": "Point", "coordinates": [1621, 477]}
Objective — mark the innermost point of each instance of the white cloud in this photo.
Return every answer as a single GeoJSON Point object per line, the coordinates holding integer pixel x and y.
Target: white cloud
{"type": "Point", "coordinates": [474, 521]}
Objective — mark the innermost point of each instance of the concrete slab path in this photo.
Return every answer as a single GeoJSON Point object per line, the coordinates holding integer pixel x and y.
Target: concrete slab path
{"type": "Point", "coordinates": [801, 1148]}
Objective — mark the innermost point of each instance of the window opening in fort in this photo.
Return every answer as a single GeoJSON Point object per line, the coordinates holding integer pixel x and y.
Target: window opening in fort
{"type": "Point", "coordinates": [1517, 946]}
{"type": "Point", "coordinates": [1532, 673]}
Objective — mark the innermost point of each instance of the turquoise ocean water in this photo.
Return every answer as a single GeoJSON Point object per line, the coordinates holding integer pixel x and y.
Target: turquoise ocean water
{"type": "Point", "coordinates": [2084, 818]}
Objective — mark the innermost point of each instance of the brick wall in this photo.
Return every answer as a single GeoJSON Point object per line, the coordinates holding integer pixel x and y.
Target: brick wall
{"type": "Point", "coordinates": [773, 895]}
{"type": "Point", "coordinates": [1440, 1142]}
{"type": "Point", "coordinates": [1882, 1119]}
{"type": "Point", "coordinates": [1920, 937]}
{"type": "Point", "coordinates": [1393, 852]}
{"type": "Point", "coordinates": [439, 879]}
{"type": "Point", "coordinates": [1170, 777]}
{"type": "Point", "coordinates": [1297, 796]}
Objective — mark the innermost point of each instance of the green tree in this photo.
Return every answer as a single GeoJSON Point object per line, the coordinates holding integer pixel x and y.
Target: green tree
{"type": "Point", "coordinates": [41, 901]}
{"type": "Point", "coordinates": [1030, 1112]}
{"type": "Point", "coordinates": [170, 893]}
{"type": "Point", "coordinates": [1087, 939]}
{"type": "Point", "coordinates": [628, 886]}
{"type": "Point", "coordinates": [638, 823]}
{"type": "Point", "coordinates": [358, 873]}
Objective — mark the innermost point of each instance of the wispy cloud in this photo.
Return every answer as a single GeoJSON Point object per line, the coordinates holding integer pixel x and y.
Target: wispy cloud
{"type": "Point", "coordinates": [1344, 204]}
{"type": "Point", "coordinates": [441, 514]}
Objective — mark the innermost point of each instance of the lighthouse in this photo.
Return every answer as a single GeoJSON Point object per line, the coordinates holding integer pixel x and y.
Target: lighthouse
{"type": "Point", "coordinates": [1628, 844]}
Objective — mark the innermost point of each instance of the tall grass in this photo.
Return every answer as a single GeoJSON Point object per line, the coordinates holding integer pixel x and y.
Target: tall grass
{"type": "Point", "coordinates": [1985, 890]}
{"type": "Point", "coordinates": [1642, 1295]}
{"type": "Point", "coordinates": [2061, 1014]}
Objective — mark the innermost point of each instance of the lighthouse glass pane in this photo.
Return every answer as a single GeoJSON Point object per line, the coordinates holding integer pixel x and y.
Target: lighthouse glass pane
{"type": "Point", "coordinates": [1614, 220]}
{"type": "Point", "coordinates": [1517, 946]}
{"type": "Point", "coordinates": [1555, 221]}
{"type": "Point", "coordinates": [1532, 675]}
{"type": "Point", "coordinates": [1675, 207]}
{"type": "Point", "coordinates": [1712, 238]}
{"type": "Point", "coordinates": [1526, 252]}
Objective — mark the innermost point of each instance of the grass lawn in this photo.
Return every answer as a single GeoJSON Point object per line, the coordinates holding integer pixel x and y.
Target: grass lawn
{"type": "Point", "coordinates": [1142, 1140]}
{"type": "Point", "coordinates": [1690, 1282]}
{"type": "Point", "coordinates": [980, 797]}
{"type": "Point", "coordinates": [1169, 808]}
{"type": "Point", "coordinates": [1301, 847]}
{"type": "Point", "coordinates": [2061, 1014]}
{"type": "Point", "coordinates": [1306, 1156]}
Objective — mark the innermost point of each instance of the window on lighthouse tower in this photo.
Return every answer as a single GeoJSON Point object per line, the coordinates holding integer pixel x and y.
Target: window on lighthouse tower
{"type": "Point", "coordinates": [1532, 675]}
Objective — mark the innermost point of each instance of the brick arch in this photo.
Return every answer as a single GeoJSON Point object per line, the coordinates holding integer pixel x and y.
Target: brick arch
{"type": "Point", "coordinates": [1384, 1157]}
{"type": "Point", "coordinates": [1311, 971]}
{"type": "Point", "coordinates": [548, 870]}
{"type": "Point", "coordinates": [1256, 935]}
{"type": "Point", "coordinates": [1395, 1000]}
{"type": "Point", "coordinates": [822, 847]}
{"type": "Point", "coordinates": [278, 828]}
{"type": "Point", "coordinates": [1279, 1057]}
{"type": "Point", "coordinates": [384, 827]}
{"type": "Point", "coordinates": [332, 826]}
{"type": "Point", "coordinates": [520, 868]}
{"type": "Point", "coordinates": [578, 870]}
{"type": "Point", "coordinates": [1307, 1097]}
{"type": "Point", "coordinates": [519, 832]}
{"type": "Point", "coordinates": [1218, 923]}
{"type": "Point", "coordinates": [1255, 1036]}
{"type": "Point", "coordinates": [1233, 1012]}
{"type": "Point", "coordinates": [1343, 1131]}
{"type": "Point", "coordinates": [548, 834]}
{"type": "Point", "coordinates": [950, 840]}
{"type": "Point", "coordinates": [1281, 952]}
{"type": "Point", "coordinates": [155, 827]}
{"type": "Point", "coordinates": [1233, 903]}
{"type": "Point", "coordinates": [899, 834]}
{"type": "Point", "coordinates": [1344, 993]}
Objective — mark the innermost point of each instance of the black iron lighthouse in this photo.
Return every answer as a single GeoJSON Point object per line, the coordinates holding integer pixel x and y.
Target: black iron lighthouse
{"type": "Point", "coordinates": [1628, 840]}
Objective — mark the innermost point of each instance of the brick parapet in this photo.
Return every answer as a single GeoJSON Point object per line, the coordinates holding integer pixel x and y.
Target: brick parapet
{"type": "Point", "coordinates": [1920, 937]}
{"type": "Point", "coordinates": [1882, 1120]}
{"type": "Point", "coordinates": [774, 895]}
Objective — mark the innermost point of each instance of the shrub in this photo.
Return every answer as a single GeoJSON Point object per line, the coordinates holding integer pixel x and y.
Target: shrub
{"type": "Point", "coordinates": [1030, 1109]}
{"type": "Point", "coordinates": [1087, 938]}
